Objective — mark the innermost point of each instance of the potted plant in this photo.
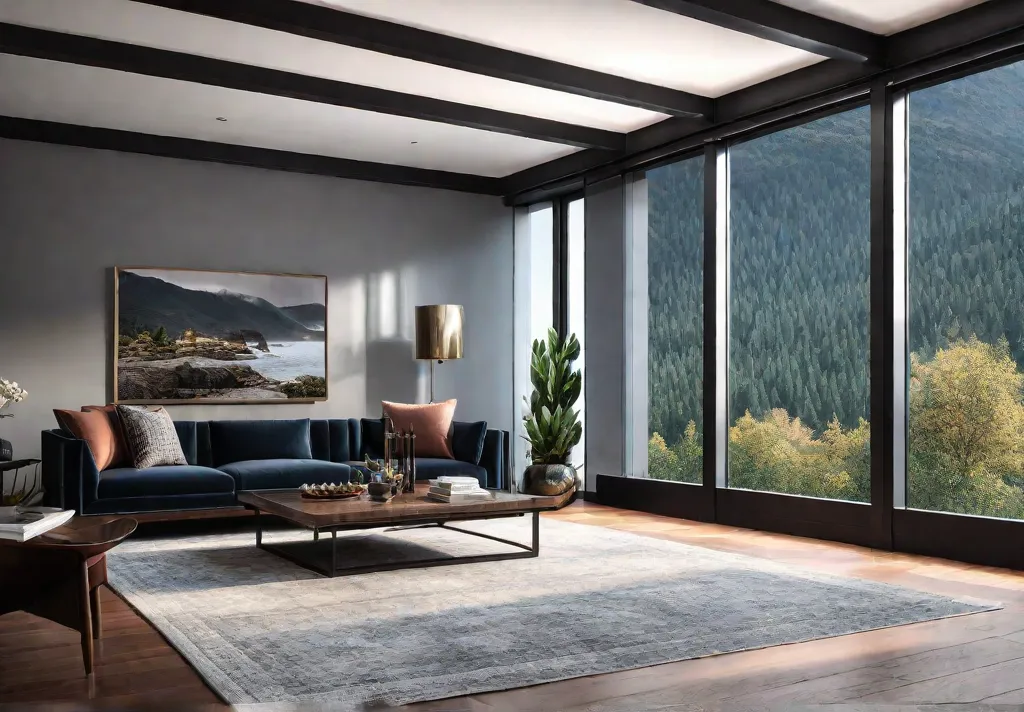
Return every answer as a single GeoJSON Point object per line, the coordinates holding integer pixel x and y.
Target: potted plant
{"type": "Point", "coordinates": [552, 424]}
{"type": "Point", "coordinates": [9, 393]}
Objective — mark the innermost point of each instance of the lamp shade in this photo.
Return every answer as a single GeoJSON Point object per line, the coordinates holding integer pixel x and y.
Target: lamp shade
{"type": "Point", "coordinates": [439, 332]}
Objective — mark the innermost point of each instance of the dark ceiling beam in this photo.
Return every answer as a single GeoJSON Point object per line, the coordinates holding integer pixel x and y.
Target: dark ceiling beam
{"type": "Point", "coordinates": [785, 25]}
{"type": "Point", "coordinates": [975, 25]}
{"type": "Point", "coordinates": [62, 47]}
{"type": "Point", "coordinates": [582, 162]}
{"type": "Point", "coordinates": [209, 151]}
{"type": "Point", "coordinates": [991, 28]}
{"type": "Point", "coordinates": [369, 33]}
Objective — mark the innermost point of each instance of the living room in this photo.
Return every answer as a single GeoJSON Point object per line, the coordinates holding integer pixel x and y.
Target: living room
{"type": "Point", "coordinates": [616, 355]}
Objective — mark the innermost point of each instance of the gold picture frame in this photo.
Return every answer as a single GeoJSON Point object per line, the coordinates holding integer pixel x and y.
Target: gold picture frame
{"type": "Point", "coordinates": [214, 337]}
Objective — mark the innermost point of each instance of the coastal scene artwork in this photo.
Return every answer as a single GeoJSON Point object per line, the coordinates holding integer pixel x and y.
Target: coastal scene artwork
{"type": "Point", "coordinates": [219, 337]}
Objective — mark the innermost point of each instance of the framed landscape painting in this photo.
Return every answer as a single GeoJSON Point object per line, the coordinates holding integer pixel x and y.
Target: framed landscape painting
{"type": "Point", "coordinates": [202, 336]}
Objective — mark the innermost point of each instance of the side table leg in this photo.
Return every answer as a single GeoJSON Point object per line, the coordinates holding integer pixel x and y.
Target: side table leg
{"type": "Point", "coordinates": [85, 612]}
{"type": "Point", "coordinates": [97, 615]}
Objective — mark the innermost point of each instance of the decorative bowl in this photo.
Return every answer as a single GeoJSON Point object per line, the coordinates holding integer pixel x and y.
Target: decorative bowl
{"type": "Point", "coordinates": [380, 491]}
{"type": "Point", "coordinates": [331, 491]}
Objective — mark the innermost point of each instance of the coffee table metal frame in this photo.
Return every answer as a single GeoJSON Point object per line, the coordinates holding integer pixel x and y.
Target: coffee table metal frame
{"type": "Point", "coordinates": [299, 554]}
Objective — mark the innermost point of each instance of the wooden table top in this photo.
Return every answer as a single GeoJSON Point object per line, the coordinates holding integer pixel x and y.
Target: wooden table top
{"type": "Point", "coordinates": [87, 536]}
{"type": "Point", "coordinates": [290, 505]}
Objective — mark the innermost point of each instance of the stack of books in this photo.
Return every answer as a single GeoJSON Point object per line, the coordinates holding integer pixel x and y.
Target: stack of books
{"type": "Point", "coordinates": [457, 489]}
{"type": "Point", "coordinates": [22, 524]}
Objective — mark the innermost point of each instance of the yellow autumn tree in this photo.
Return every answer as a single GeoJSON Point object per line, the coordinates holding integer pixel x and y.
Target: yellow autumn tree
{"type": "Point", "coordinates": [967, 430]}
{"type": "Point", "coordinates": [662, 463]}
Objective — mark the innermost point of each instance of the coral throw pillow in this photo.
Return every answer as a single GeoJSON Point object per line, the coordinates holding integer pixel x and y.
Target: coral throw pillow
{"type": "Point", "coordinates": [122, 456]}
{"type": "Point", "coordinates": [94, 428]}
{"type": "Point", "coordinates": [431, 422]}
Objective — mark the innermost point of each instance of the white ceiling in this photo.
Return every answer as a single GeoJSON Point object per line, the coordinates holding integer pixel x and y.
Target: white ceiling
{"type": "Point", "coordinates": [883, 17]}
{"type": "Point", "coordinates": [614, 36]}
{"type": "Point", "coordinates": [126, 21]}
{"type": "Point", "coordinates": [70, 93]}
{"type": "Point", "coordinates": [618, 37]}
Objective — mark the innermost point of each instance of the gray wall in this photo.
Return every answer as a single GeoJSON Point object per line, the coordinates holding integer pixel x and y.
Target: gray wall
{"type": "Point", "coordinates": [69, 215]}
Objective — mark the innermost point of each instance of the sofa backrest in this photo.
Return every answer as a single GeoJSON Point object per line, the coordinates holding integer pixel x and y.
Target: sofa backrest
{"type": "Point", "coordinates": [202, 441]}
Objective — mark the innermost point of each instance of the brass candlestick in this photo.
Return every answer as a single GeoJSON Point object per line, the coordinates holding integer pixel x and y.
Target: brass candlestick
{"type": "Point", "coordinates": [389, 443]}
{"type": "Point", "coordinates": [409, 452]}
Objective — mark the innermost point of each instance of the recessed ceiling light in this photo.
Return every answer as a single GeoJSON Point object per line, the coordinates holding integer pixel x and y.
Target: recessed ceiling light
{"type": "Point", "coordinates": [221, 118]}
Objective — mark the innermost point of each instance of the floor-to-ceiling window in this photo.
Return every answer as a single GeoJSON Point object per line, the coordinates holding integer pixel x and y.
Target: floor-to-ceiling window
{"type": "Point", "coordinates": [675, 327]}
{"type": "Point", "coordinates": [575, 309]}
{"type": "Point", "coordinates": [799, 222]}
{"type": "Point", "coordinates": [534, 313]}
{"type": "Point", "coordinates": [966, 319]}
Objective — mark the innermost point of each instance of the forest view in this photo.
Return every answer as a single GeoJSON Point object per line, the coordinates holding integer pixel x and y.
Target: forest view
{"type": "Point", "coordinates": [799, 311]}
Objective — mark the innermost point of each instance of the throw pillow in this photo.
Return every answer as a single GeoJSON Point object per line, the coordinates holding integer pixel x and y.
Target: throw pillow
{"type": "Point", "coordinates": [372, 437]}
{"type": "Point", "coordinates": [241, 440]}
{"type": "Point", "coordinates": [432, 423]}
{"type": "Point", "coordinates": [468, 441]}
{"type": "Point", "coordinates": [151, 437]}
{"type": "Point", "coordinates": [94, 428]}
{"type": "Point", "coordinates": [121, 457]}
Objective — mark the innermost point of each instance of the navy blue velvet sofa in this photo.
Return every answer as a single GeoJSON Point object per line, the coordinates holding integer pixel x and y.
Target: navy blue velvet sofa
{"type": "Point", "coordinates": [228, 456]}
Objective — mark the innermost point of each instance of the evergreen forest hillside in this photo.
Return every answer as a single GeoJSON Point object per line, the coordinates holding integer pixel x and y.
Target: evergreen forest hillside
{"type": "Point", "coordinates": [799, 361]}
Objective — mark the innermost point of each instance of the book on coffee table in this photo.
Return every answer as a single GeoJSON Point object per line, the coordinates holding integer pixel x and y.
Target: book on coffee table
{"type": "Point", "coordinates": [20, 525]}
{"type": "Point", "coordinates": [456, 497]}
{"type": "Point", "coordinates": [454, 481]}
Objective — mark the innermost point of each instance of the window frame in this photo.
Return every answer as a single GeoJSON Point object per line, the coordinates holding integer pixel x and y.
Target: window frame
{"type": "Point", "coordinates": [885, 522]}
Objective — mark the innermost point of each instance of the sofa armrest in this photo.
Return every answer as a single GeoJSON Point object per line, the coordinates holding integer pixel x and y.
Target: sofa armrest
{"type": "Point", "coordinates": [70, 477]}
{"type": "Point", "coordinates": [495, 457]}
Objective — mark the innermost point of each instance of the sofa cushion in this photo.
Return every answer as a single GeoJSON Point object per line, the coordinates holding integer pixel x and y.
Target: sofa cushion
{"type": "Point", "coordinates": [429, 468]}
{"type": "Point", "coordinates": [187, 437]}
{"type": "Point", "coordinates": [121, 457]}
{"type": "Point", "coordinates": [94, 427]}
{"type": "Point", "coordinates": [468, 441]}
{"type": "Point", "coordinates": [431, 422]}
{"type": "Point", "coordinates": [372, 440]}
{"type": "Point", "coordinates": [151, 437]}
{"type": "Point", "coordinates": [162, 481]}
{"type": "Point", "coordinates": [242, 440]}
{"type": "Point", "coordinates": [166, 503]}
{"type": "Point", "coordinates": [285, 473]}
{"type": "Point", "coordinates": [344, 436]}
{"type": "Point", "coordinates": [320, 440]}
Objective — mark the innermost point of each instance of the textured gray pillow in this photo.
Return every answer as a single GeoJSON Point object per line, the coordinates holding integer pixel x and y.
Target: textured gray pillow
{"type": "Point", "coordinates": [151, 437]}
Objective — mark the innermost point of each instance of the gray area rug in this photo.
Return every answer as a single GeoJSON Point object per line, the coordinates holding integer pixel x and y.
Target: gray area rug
{"type": "Point", "coordinates": [262, 630]}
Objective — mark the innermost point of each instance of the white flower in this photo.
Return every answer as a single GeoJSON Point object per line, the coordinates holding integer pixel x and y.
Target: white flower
{"type": "Point", "coordinates": [11, 392]}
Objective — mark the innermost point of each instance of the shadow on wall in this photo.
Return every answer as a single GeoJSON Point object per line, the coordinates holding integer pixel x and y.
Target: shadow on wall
{"type": "Point", "coordinates": [391, 374]}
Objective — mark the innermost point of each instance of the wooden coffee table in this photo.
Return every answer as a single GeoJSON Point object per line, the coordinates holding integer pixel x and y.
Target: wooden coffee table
{"type": "Point", "coordinates": [404, 510]}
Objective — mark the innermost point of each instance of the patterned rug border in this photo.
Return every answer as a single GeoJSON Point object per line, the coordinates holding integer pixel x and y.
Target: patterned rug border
{"type": "Point", "coordinates": [220, 680]}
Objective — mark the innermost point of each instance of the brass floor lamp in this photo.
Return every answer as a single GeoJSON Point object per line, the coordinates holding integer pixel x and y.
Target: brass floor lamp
{"type": "Point", "coordinates": [438, 335]}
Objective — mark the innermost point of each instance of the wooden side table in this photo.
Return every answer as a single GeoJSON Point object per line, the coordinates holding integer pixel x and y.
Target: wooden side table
{"type": "Point", "coordinates": [56, 575]}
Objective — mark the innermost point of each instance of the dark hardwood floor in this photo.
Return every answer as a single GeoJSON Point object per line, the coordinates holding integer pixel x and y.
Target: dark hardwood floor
{"type": "Point", "coordinates": [971, 659]}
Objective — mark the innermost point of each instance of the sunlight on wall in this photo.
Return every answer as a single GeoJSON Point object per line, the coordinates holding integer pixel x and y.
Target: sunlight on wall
{"type": "Point", "coordinates": [382, 316]}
